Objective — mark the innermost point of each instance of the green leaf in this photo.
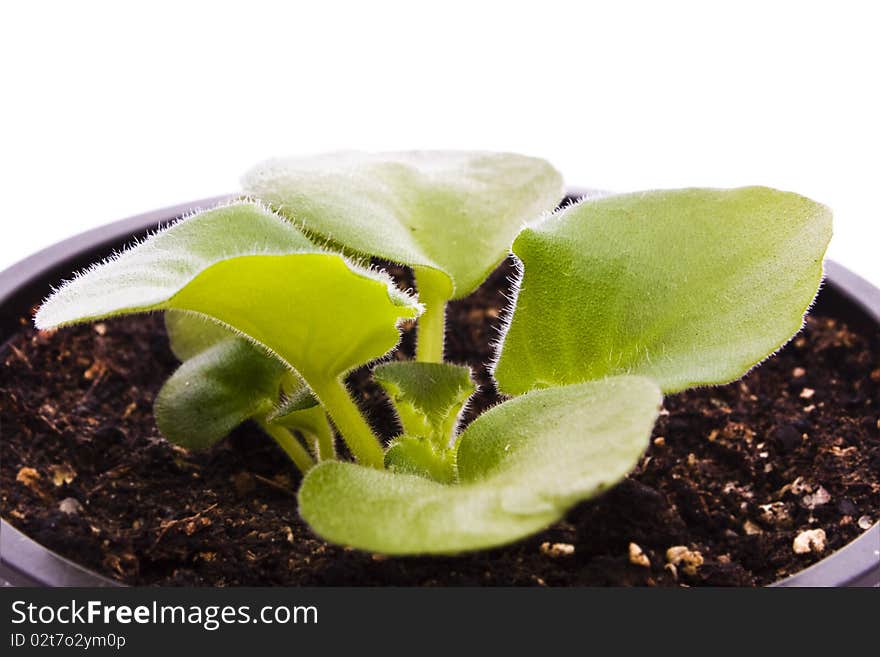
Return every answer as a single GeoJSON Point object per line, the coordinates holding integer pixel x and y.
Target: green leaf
{"type": "Point", "coordinates": [428, 396]}
{"type": "Point", "coordinates": [226, 380]}
{"type": "Point", "coordinates": [189, 334]}
{"type": "Point", "coordinates": [215, 391]}
{"type": "Point", "coordinates": [146, 275]}
{"type": "Point", "coordinates": [296, 400]}
{"type": "Point", "coordinates": [255, 273]}
{"type": "Point", "coordinates": [300, 411]}
{"type": "Point", "coordinates": [420, 456]}
{"type": "Point", "coordinates": [453, 212]}
{"type": "Point", "coordinates": [689, 287]}
{"type": "Point", "coordinates": [521, 465]}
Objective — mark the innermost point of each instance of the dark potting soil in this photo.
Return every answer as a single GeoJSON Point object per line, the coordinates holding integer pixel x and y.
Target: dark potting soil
{"type": "Point", "coordinates": [736, 477]}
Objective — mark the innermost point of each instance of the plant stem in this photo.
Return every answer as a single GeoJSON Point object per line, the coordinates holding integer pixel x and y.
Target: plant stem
{"type": "Point", "coordinates": [429, 342]}
{"type": "Point", "coordinates": [432, 323]}
{"type": "Point", "coordinates": [323, 433]}
{"type": "Point", "coordinates": [291, 446]}
{"type": "Point", "coordinates": [356, 433]}
{"type": "Point", "coordinates": [315, 428]}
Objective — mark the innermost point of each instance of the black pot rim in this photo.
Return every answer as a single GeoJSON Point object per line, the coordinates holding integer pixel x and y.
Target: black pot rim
{"type": "Point", "coordinates": [24, 562]}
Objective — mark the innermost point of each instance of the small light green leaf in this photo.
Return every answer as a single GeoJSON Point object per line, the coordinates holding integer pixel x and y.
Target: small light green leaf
{"type": "Point", "coordinates": [428, 396]}
{"type": "Point", "coordinates": [689, 287]}
{"type": "Point", "coordinates": [420, 456]}
{"type": "Point", "coordinates": [299, 399]}
{"type": "Point", "coordinates": [454, 212]}
{"type": "Point", "coordinates": [215, 391]}
{"type": "Point", "coordinates": [521, 465]}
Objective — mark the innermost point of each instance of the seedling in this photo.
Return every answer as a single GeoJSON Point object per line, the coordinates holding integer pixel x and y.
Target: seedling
{"type": "Point", "coordinates": [269, 303]}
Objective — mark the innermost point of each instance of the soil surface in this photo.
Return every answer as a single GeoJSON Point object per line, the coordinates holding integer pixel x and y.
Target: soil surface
{"type": "Point", "coordinates": [743, 484]}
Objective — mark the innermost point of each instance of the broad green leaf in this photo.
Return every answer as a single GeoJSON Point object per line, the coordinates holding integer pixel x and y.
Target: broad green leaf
{"type": "Point", "coordinates": [146, 275]}
{"type": "Point", "coordinates": [421, 456]}
{"type": "Point", "coordinates": [315, 311]}
{"type": "Point", "coordinates": [215, 391]}
{"type": "Point", "coordinates": [453, 213]}
{"type": "Point", "coordinates": [255, 273]}
{"type": "Point", "coordinates": [688, 287]}
{"type": "Point", "coordinates": [521, 465]}
{"type": "Point", "coordinates": [428, 396]}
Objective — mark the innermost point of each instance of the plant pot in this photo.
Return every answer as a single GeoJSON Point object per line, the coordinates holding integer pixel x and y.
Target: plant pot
{"type": "Point", "coordinates": [23, 561]}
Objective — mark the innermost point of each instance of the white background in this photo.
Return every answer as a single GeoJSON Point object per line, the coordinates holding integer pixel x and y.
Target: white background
{"type": "Point", "coordinates": [112, 109]}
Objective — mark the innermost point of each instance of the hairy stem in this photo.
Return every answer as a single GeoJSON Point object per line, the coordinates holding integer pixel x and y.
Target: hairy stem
{"type": "Point", "coordinates": [291, 446]}
{"type": "Point", "coordinates": [313, 424]}
{"type": "Point", "coordinates": [324, 438]}
{"type": "Point", "coordinates": [429, 344]}
{"type": "Point", "coordinates": [432, 323]}
{"type": "Point", "coordinates": [355, 431]}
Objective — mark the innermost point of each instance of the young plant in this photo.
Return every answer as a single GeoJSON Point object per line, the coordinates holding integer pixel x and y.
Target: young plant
{"type": "Point", "coordinates": [621, 298]}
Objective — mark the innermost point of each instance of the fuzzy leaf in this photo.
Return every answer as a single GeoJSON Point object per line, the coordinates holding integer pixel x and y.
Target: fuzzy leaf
{"type": "Point", "coordinates": [144, 276]}
{"type": "Point", "coordinates": [295, 401]}
{"type": "Point", "coordinates": [428, 396]}
{"type": "Point", "coordinates": [215, 391]}
{"type": "Point", "coordinates": [300, 410]}
{"type": "Point", "coordinates": [255, 273]}
{"type": "Point", "coordinates": [452, 212]}
{"type": "Point", "coordinates": [189, 334]}
{"type": "Point", "coordinates": [521, 465]}
{"type": "Point", "coordinates": [689, 287]}
{"type": "Point", "coordinates": [206, 398]}
{"type": "Point", "coordinates": [419, 456]}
